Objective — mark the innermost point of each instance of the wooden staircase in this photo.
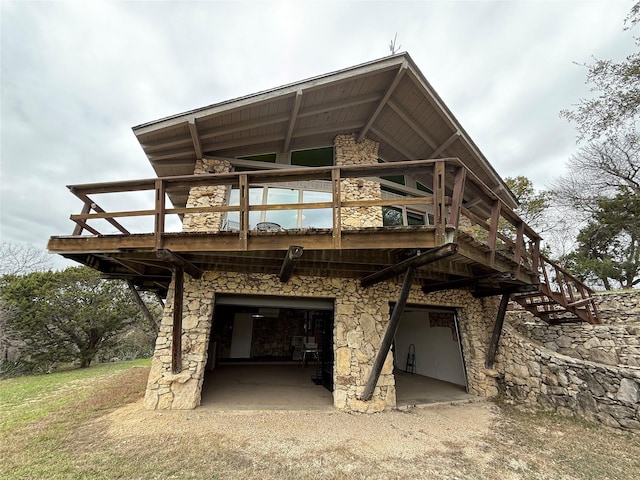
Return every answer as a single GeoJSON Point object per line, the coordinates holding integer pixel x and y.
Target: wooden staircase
{"type": "Point", "coordinates": [561, 297]}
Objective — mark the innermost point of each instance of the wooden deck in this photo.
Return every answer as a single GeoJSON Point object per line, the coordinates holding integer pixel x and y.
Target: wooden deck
{"type": "Point", "coordinates": [505, 244]}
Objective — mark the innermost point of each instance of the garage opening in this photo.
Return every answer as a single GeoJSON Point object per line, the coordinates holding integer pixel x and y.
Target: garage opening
{"type": "Point", "coordinates": [270, 352]}
{"type": "Point", "coordinates": [428, 357]}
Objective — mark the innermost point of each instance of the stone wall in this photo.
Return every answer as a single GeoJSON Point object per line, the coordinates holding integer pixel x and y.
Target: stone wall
{"type": "Point", "coordinates": [360, 318]}
{"type": "Point", "coordinates": [615, 342]}
{"type": "Point", "coordinates": [206, 197]}
{"type": "Point", "coordinates": [622, 306]}
{"type": "Point", "coordinates": [535, 375]}
{"type": "Point", "coordinates": [349, 152]}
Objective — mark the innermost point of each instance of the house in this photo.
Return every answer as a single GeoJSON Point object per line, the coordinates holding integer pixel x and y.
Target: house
{"type": "Point", "coordinates": [334, 217]}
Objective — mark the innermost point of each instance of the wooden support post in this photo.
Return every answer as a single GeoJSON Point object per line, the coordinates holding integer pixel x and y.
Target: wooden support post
{"type": "Point", "coordinates": [457, 197]}
{"type": "Point", "coordinates": [398, 309]}
{"type": "Point", "coordinates": [290, 259]}
{"type": "Point", "coordinates": [497, 330]}
{"type": "Point", "coordinates": [517, 255]}
{"type": "Point", "coordinates": [493, 230]}
{"type": "Point", "coordinates": [86, 208]}
{"type": "Point", "coordinates": [176, 342]}
{"type": "Point", "coordinates": [143, 307]}
{"type": "Point", "coordinates": [159, 212]}
{"type": "Point", "coordinates": [439, 207]}
{"type": "Point", "coordinates": [244, 211]}
{"type": "Point", "coordinates": [336, 208]}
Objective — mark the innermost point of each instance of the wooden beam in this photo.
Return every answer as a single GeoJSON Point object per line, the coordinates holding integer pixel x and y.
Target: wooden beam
{"type": "Point", "coordinates": [143, 307]}
{"type": "Point", "coordinates": [497, 330]}
{"type": "Point", "coordinates": [412, 124]}
{"type": "Point", "coordinates": [414, 262]}
{"type": "Point", "coordinates": [195, 138]}
{"type": "Point", "coordinates": [179, 262]}
{"type": "Point", "coordinates": [86, 208]}
{"type": "Point", "coordinates": [389, 141]}
{"type": "Point", "coordinates": [389, 334]}
{"type": "Point", "coordinates": [336, 199]}
{"type": "Point", "coordinates": [457, 197]}
{"type": "Point", "coordinates": [290, 259]}
{"type": "Point", "coordinates": [445, 145]}
{"type": "Point", "coordinates": [292, 120]}
{"type": "Point", "coordinates": [159, 217]}
{"type": "Point", "coordinates": [468, 282]}
{"type": "Point", "coordinates": [439, 205]}
{"type": "Point", "coordinates": [176, 341]}
{"type": "Point", "coordinates": [505, 290]}
{"type": "Point", "coordinates": [383, 101]}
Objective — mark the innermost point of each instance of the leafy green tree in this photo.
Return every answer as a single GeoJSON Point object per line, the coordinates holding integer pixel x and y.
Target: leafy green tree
{"type": "Point", "coordinates": [609, 246]}
{"type": "Point", "coordinates": [533, 205]}
{"type": "Point", "coordinates": [68, 315]}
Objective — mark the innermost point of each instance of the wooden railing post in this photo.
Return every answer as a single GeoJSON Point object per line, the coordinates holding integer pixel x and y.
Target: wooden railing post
{"type": "Point", "coordinates": [517, 254]}
{"type": "Point", "coordinates": [86, 208]}
{"type": "Point", "coordinates": [439, 207]}
{"type": "Point", "coordinates": [160, 207]}
{"type": "Point", "coordinates": [493, 229]}
{"type": "Point", "coordinates": [458, 196]}
{"type": "Point", "coordinates": [244, 210]}
{"type": "Point", "coordinates": [336, 207]}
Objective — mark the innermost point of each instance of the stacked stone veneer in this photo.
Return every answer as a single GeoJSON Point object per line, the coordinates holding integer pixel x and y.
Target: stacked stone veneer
{"type": "Point", "coordinates": [361, 316]}
{"type": "Point", "coordinates": [349, 152]}
{"type": "Point", "coordinates": [577, 369]}
{"type": "Point", "coordinates": [206, 196]}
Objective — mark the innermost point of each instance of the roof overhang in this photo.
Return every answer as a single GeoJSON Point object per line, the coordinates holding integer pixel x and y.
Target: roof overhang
{"type": "Point", "coordinates": [387, 100]}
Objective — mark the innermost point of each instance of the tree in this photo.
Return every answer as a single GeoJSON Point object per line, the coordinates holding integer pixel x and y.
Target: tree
{"type": "Point", "coordinates": [67, 315]}
{"type": "Point", "coordinates": [601, 168]}
{"type": "Point", "coordinates": [20, 259]}
{"type": "Point", "coordinates": [616, 86]}
{"type": "Point", "coordinates": [609, 246]}
{"type": "Point", "coordinates": [533, 206]}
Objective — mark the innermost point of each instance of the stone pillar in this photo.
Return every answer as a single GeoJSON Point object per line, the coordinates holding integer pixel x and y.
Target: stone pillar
{"type": "Point", "coordinates": [361, 318]}
{"type": "Point", "coordinates": [206, 197]}
{"type": "Point", "coordinates": [349, 152]}
{"type": "Point", "coordinates": [166, 390]}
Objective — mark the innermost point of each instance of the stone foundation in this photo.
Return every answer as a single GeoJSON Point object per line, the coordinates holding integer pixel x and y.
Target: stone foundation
{"type": "Point", "coordinates": [361, 316]}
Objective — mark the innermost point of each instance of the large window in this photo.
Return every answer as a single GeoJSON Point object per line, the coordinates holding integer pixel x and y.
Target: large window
{"type": "Point", "coordinates": [294, 218]}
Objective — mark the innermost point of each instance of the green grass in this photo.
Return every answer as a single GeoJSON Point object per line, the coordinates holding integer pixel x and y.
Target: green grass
{"type": "Point", "coordinates": [25, 399]}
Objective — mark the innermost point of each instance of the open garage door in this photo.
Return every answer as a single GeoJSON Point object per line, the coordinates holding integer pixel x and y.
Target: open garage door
{"type": "Point", "coordinates": [428, 357]}
{"type": "Point", "coordinates": [270, 352]}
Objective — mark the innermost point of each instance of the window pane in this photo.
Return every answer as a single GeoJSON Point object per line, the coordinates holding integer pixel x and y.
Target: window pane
{"type": "Point", "coordinates": [284, 218]}
{"type": "Point", "coordinates": [392, 217]}
{"type": "Point", "coordinates": [319, 217]}
{"type": "Point", "coordinates": [415, 218]}
{"type": "Point", "coordinates": [317, 157]}
{"type": "Point", "coordinates": [255, 198]}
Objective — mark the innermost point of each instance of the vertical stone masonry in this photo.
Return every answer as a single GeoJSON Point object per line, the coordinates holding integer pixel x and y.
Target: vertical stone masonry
{"type": "Point", "coordinates": [349, 152]}
{"type": "Point", "coordinates": [207, 196]}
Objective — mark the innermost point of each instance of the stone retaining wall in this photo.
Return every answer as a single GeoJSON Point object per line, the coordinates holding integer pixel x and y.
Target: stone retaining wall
{"type": "Point", "coordinates": [361, 316]}
{"type": "Point", "coordinates": [615, 342]}
{"type": "Point", "coordinates": [535, 375]}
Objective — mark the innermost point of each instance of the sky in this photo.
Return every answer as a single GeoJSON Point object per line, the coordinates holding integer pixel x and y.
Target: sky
{"type": "Point", "coordinates": [77, 76]}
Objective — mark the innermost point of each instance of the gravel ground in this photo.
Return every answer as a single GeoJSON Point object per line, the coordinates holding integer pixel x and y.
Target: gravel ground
{"type": "Point", "coordinates": [443, 441]}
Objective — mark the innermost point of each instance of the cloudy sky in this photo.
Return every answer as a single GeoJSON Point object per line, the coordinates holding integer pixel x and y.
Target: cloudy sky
{"type": "Point", "coordinates": [76, 76]}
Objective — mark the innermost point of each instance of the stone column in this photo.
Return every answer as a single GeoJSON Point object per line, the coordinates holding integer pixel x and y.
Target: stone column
{"type": "Point", "coordinates": [181, 391]}
{"type": "Point", "coordinates": [206, 197]}
{"type": "Point", "coordinates": [349, 152]}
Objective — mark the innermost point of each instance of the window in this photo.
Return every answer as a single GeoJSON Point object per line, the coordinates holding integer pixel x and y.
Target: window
{"type": "Point", "coordinates": [317, 157]}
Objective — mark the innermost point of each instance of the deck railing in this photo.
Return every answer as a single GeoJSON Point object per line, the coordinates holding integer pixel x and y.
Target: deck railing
{"type": "Point", "coordinates": [459, 202]}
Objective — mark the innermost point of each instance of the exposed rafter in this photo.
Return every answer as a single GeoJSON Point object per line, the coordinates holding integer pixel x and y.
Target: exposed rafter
{"type": "Point", "coordinates": [418, 260]}
{"type": "Point", "coordinates": [179, 262]}
{"type": "Point", "coordinates": [470, 282]}
{"type": "Point", "coordinates": [389, 141]}
{"type": "Point", "coordinates": [383, 101]}
{"type": "Point", "coordinates": [292, 120]}
{"type": "Point", "coordinates": [243, 126]}
{"type": "Point", "coordinates": [339, 104]}
{"type": "Point", "coordinates": [438, 151]}
{"type": "Point", "coordinates": [195, 138]}
{"type": "Point", "coordinates": [412, 123]}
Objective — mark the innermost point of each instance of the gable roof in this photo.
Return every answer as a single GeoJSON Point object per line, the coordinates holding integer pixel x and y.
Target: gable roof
{"type": "Point", "coordinates": [388, 100]}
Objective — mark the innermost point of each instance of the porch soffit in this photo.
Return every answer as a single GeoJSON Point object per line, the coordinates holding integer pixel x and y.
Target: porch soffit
{"type": "Point", "coordinates": [388, 100]}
